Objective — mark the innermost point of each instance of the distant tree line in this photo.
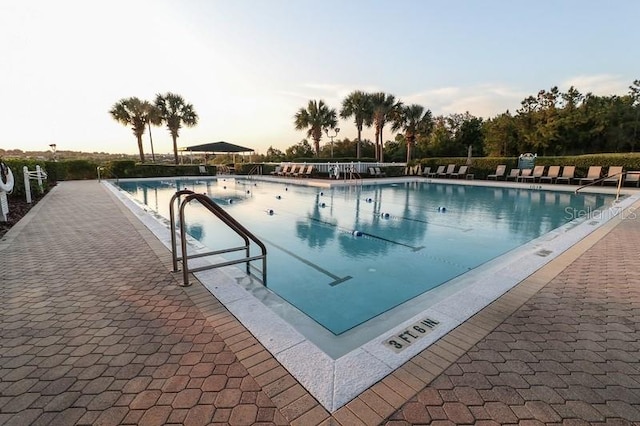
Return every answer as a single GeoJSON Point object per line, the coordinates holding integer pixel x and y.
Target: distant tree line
{"type": "Point", "coordinates": [550, 123]}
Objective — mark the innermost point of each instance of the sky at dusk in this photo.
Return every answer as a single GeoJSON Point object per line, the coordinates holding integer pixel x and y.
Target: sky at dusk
{"type": "Point", "coordinates": [247, 66]}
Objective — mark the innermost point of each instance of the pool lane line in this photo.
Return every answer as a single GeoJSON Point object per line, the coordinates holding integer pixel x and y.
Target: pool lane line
{"type": "Point", "coordinates": [429, 223]}
{"type": "Point", "coordinates": [336, 279]}
{"type": "Point", "coordinates": [377, 237]}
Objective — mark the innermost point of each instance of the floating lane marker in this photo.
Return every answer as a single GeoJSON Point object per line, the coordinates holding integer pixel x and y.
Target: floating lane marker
{"type": "Point", "coordinates": [432, 223]}
{"type": "Point", "coordinates": [377, 237]}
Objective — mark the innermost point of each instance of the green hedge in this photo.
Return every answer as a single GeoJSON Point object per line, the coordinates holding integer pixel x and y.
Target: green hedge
{"type": "Point", "coordinates": [73, 169]}
{"type": "Point", "coordinates": [333, 160]}
{"type": "Point", "coordinates": [129, 169]}
{"type": "Point", "coordinates": [481, 167]}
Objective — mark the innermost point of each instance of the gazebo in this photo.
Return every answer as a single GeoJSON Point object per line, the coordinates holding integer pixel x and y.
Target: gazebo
{"type": "Point", "coordinates": [220, 147]}
{"type": "Point", "coordinates": [217, 148]}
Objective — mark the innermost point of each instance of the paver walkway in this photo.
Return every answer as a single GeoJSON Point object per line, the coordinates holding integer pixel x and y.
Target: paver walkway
{"type": "Point", "coordinates": [95, 331]}
{"type": "Point", "coordinates": [570, 355]}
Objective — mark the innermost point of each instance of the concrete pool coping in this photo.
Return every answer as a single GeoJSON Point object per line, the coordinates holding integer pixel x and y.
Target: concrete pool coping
{"type": "Point", "coordinates": [336, 382]}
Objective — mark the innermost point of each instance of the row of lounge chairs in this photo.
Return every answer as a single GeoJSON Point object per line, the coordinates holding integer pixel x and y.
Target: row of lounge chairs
{"type": "Point", "coordinates": [448, 172]}
{"type": "Point", "coordinates": [294, 170]}
{"type": "Point", "coordinates": [376, 172]}
{"type": "Point", "coordinates": [537, 174]}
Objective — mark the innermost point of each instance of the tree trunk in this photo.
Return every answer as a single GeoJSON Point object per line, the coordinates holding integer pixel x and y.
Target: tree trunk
{"type": "Point", "coordinates": [140, 149]}
{"type": "Point", "coordinates": [153, 155]}
{"type": "Point", "coordinates": [358, 144]}
{"type": "Point", "coordinates": [175, 148]}
{"type": "Point", "coordinates": [381, 147]}
{"type": "Point", "coordinates": [316, 142]}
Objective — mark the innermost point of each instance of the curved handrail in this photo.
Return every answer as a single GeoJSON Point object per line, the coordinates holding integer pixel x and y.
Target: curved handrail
{"type": "Point", "coordinates": [228, 220]}
{"type": "Point", "coordinates": [602, 179]}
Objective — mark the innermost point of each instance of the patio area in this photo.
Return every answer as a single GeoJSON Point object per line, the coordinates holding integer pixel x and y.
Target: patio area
{"type": "Point", "coordinates": [96, 330]}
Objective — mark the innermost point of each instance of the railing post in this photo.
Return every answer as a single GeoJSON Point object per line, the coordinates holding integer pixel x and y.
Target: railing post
{"type": "Point", "coordinates": [183, 245]}
{"type": "Point", "coordinates": [619, 185]}
{"type": "Point", "coordinates": [27, 185]}
{"type": "Point", "coordinates": [39, 174]}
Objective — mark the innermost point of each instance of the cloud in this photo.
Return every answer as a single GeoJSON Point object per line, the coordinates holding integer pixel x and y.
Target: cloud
{"type": "Point", "coordinates": [485, 100]}
{"type": "Point", "coordinates": [600, 84]}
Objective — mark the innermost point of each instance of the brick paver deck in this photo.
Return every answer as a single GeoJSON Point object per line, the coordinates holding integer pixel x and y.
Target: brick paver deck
{"type": "Point", "coordinates": [96, 331]}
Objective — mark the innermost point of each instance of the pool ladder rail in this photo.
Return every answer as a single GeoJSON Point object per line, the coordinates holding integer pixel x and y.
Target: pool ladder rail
{"type": "Point", "coordinates": [184, 197]}
{"type": "Point", "coordinates": [620, 175]}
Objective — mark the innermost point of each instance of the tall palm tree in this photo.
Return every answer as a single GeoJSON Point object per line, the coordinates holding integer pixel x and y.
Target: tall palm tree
{"type": "Point", "coordinates": [412, 120]}
{"type": "Point", "coordinates": [316, 116]}
{"type": "Point", "coordinates": [133, 112]}
{"type": "Point", "coordinates": [358, 104]}
{"type": "Point", "coordinates": [384, 106]}
{"type": "Point", "coordinates": [175, 112]}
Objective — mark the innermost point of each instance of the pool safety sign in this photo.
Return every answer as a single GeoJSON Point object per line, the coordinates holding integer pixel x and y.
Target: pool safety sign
{"type": "Point", "coordinates": [410, 335]}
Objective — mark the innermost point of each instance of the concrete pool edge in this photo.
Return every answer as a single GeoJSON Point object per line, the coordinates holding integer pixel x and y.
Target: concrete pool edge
{"type": "Point", "coordinates": [349, 374]}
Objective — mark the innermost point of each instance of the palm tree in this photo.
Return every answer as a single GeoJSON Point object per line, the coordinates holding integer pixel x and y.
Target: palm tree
{"type": "Point", "coordinates": [384, 106]}
{"type": "Point", "coordinates": [358, 104]}
{"type": "Point", "coordinates": [316, 116]}
{"type": "Point", "coordinates": [412, 120]}
{"type": "Point", "coordinates": [175, 112]}
{"type": "Point", "coordinates": [133, 112]}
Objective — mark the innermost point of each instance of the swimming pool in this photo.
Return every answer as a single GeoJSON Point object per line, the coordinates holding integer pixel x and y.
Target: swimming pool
{"type": "Point", "coordinates": [344, 255]}
{"type": "Point", "coordinates": [337, 368]}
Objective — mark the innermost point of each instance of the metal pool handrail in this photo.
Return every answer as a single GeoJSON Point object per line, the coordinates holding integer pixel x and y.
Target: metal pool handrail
{"type": "Point", "coordinates": [228, 220]}
{"type": "Point", "coordinates": [602, 179]}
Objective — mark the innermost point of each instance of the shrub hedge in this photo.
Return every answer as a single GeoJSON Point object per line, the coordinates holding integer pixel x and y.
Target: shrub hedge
{"type": "Point", "coordinates": [129, 169]}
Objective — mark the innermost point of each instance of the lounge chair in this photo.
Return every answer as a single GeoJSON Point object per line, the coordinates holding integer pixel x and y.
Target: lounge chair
{"type": "Point", "coordinates": [426, 171]}
{"type": "Point", "coordinates": [633, 178]}
{"type": "Point", "coordinates": [513, 174]}
{"type": "Point", "coordinates": [283, 171]}
{"type": "Point", "coordinates": [593, 174]}
{"type": "Point", "coordinates": [372, 172]}
{"type": "Point", "coordinates": [294, 169]}
{"type": "Point", "coordinates": [277, 170]}
{"type": "Point", "coordinates": [613, 175]}
{"type": "Point", "coordinates": [538, 171]}
{"type": "Point", "coordinates": [450, 169]}
{"type": "Point", "coordinates": [303, 171]}
{"type": "Point", "coordinates": [203, 170]}
{"type": "Point", "coordinates": [567, 174]}
{"type": "Point", "coordinates": [500, 170]}
{"type": "Point", "coordinates": [461, 173]}
{"type": "Point", "coordinates": [525, 174]}
{"type": "Point", "coordinates": [412, 170]}
{"type": "Point", "coordinates": [438, 171]}
{"type": "Point", "coordinates": [379, 173]}
{"type": "Point", "coordinates": [551, 175]}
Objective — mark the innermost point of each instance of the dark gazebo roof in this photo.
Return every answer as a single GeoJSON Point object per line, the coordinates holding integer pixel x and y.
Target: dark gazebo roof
{"type": "Point", "coordinates": [217, 147]}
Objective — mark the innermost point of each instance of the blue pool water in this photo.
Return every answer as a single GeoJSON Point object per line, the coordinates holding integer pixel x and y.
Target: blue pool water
{"type": "Point", "coordinates": [344, 255]}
